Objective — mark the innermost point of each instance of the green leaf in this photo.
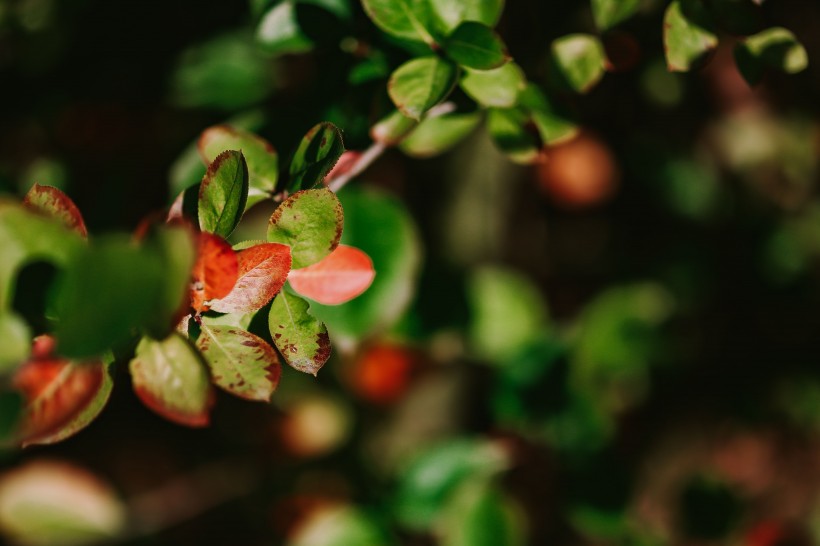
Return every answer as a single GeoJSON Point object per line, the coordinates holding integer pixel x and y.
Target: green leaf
{"type": "Point", "coordinates": [301, 338]}
{"type": "Point", "coordinates": [508, 313]}
{"type": "Point", "coordinates": [392, 129]}
{"type": "Point", "coordinates": [16, 344]}
{"type": "Point", "coordinates": [108, 291]}
{"type": "Point", "coordinates": [223, 193]}
{"type": "Point", "coordinates": [54, 203]}
{"type": "Point", "coordinates": [278, 31]}
{"type": "Point", "coordinates": [379, 225]}
{"type": "Point", "coordinates": [419, 84]}
{"type": "Point", "coordinates": [775, 48]}
{"type": "Point", "coordinates": [50, 503]}
{"type": "Point", "coordinates": [338, 525]}
{"type": "Point", "coordinates": [609, 13]}
{"type": "Point", "coordinates": [476, 46]}
{"type": "Point", "coordinates": [170, 377]}
{"type": "Point", "coordinates": [579, 59]}
{"type": "Point", "coordinates": [451, 14]}
{"type": "Point", "coordinates": [689, 34]}
{"type": "Point", "coordinates": [241, 363]}
{"type": "Point", "coordinates": [436, 135]}
{"type": "Point", "coordinates": [405, 19]}
{"type": "Point", "coordinates": [311, 223]}
{"type": "Point", "coordinates": [498, 87]}
{"type": "Point", "coordinates": [480, 515]}
{"type": "Point", "coordinates": [318, 152]}
{"type": "Point", "coordinates": [263, 163]}
{"type": "Point", "coordinates": [508, 129]}
{"type": "Point", "coordinates": [552, 127]}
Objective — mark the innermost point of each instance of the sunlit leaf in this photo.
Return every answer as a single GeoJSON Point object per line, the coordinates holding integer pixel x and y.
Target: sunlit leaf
{"type": "Point", "coordinates": [318, 152]}
{"type": "Point", "coordinates": [689, 34]}
{"type": "Point", "coordinates": [553, 127]}
{"type": "Point", "coordinates": [215, 271]}
{"type": "Point", "coordinates": [50, 503]}
{"type": "Point", "coordinates": [263, 163]}
{"type": "Point", "coordinates": [436, 135]}
{"type": "Point", "coordinates": [451, 14]}
{"type": "Point", "coordinates": [421, 83]}
{"type": "Point", "coordinates": [338, 526]}
{"type": "Point", "coordinates": [16, 344]}
{"type": "Point", "coordinates": [773, 48]}
{"type": "Point", "coordinates": [55, 204]}
{"type": "Point", "coordinates": [339, 277]}
{"type": "Point", "coordinates": [579, 59]}
{"type": "Point", "coordinates": [477, 46]}
{"type": "Point", "coordinates": [310, 222]}
{"type": "Point", "coordinates": [478, 514]}
{"type": "Point", "coordinates": [170, 377]}
{"type": "Point", "coordinates": [301, 338]}
{"type": "Point", "coordinates": [263, 270]}
{"type": "Point", "coordinates": [223, 193]}
{"type": "Point", "coordinates": [498, 87]}
{"type": "Point", "coordinates": [508, 127]}
{"type": "Point", "coordinates": [241, 363]}
{"type": "Point", "coordinates": [391, 129]}
{"type": "Point", "coordinates": [406, 19]}
{"type": "Point", "coordinates": [609, 13]}
{"type": "Point", "coordinates": [278, 31]}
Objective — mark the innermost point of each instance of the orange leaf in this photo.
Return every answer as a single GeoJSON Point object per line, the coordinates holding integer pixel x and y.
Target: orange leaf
{"type": "Point", "coordinates": [52, 202]}
{"type": "Point", "coordinates": [341, 276]}
{"type": "Point", "coordinates": [215, 272]}
{"type": "Point", "coordinates": [263, 270]}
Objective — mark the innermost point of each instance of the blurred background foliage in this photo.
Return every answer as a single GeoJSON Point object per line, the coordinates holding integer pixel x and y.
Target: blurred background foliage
{"type": "Point", "coordinates": [615, 345]}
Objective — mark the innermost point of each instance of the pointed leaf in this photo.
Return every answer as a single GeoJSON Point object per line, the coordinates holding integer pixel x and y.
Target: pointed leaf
{"type": "Point", "coordinates": [215, 271]}
{"type": "Point", "coordinates": [436, 135]}
{"type": "Point", "coordinates": [553, 127]}
{"type": "Point", "coordinates": [579, 59]}
{"type": "Point", "coordinates": [241, 363]}
{"type": "Point", "coordinates": [608, 13]}
{"type": "Point", "coordinates": [498, 87]}
{"type": "Point", "coordinates": [508, 129]}
{"type": "Point", "coordinates": [223, 193]}
{"type": "Point", "coordinates": [391, 129]}
{"type": "Point", "coordinates": [405, 19]}
{"type": "Point", "coordinates": [170, 378]}
{"type": "Point", "coordinates": [419, 84]}
{"type": "Point", "coordinates": [689, 34]}
{"type": "Point", "coordinates": [341, 276]}
{"type": "Point", "coordinates": [302, 340]}
{"type": "Point", "coordinates": [318, 152]}
{"type": "Point", "coordinates": [56, 204]}
{"type": "Point", "coordinates": [16, 340]}
{"type": "Point", "coordinates": [476, 46]}
{"type": "Point", "coordinates": [263, 270]}
{"type": "Point", "coordinates": [451, 14]}
{"type": "Point", "coordinates": [774, 47]}
{"type": "Point", "coordinates": [278, 31]}
{"type": "Point", "coordinates": [311, 223]}
{"type": "Point", "coordinates": [263, 163]}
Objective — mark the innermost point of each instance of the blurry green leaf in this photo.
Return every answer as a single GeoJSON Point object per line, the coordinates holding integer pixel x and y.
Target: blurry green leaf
{"type": "Point", "coordinates": [392, 128]}
{"type": "Point", "coordinates": [579, 58]}
{"type": "Point", "coordinates": [339, 8]}
{"type": "Point", "coordinates": [374, 67]}
{"type": "Point", "coordinates": [476, 46]}
{"type": "Point", "coordinates": [301, 338]}
{"type": "Point", "coordinates": [53, 203]}
{"type": "Point", "coordinates": [608, 13]}
{"type": "Point", "coordinates": [186, 171]}
{"type": "Point", "coordinates": [508, 313]}
{"type": "Point", "coordinates": [263, 163]}
{"type": "Point", "coordinates": [226, 72]}
{"type": "Point", "coordinates": [602, 524]}
{"type": "Point", "coordinates": [379, 225]}
{"type": "Point", "coordinates": [223, 193]}
{"type": "Point", "coordinates": [773, 48]}
{"type": "Point", "coordinates": [689, 34]}
{"type": "Point", "coordinates": [50, 503]}
{"type": "Point", "coordinates": [16, 344]}
{"type": "Point", "coordinates": [170, 377]}
{"type": "Point", "coordinates": [450, 14]}
{"type": "Point", "coordinates": [692, 187]}
{"type": "Point", "coordinates": [508, 129]}
{"type": "Point", "coordinates": [278, 31]}
{"type": "Point", "coordinates": [318, 152]}
{"type": "Point", "coordinates": [241, 363]}
{"type": "Point", "coordinates": [431, 479]}
{"type": "Point", "coordinates": [436, 135]}
{"type": "Point", "coordinates": [338, 526]}
{"type": "Point", "coordinates": [480, 515]}
{"type": "Point", "coordinates": [405, 19]}
{"type": "Point", "coordinates": [11, 410]}
{"type": "Point", "coordinates": [113, 279]}
{"type": "Point", "coordinates": [310, 222]}
{"type": "Point", "coordinates": [419, 84]}
{"type": "Point", "coordinates": [498, 87]}
{"type": "Point", "coordinates": [552, 127]}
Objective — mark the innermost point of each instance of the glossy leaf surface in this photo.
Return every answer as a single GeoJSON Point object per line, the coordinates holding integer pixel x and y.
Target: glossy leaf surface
{"type": "Point", "coordinates": [263, 270]}
{"type": "Point", "coordinates": [339, 277]}
{"type": "Point", "coordinates": [419, 84]}
{"type": "Point", "coordinates": [299, 336]}
{"type": "Point", "coordinates": [310, 222]}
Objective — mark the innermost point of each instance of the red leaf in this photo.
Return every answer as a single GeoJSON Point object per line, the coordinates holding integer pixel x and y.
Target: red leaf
{"type": "Point", "coordinates": [215, 272]}
{"type": "Point", "coordinates": [341, 276]}
{"type": "Point", "coordinates": [263, 270]}
{"type": "Point", "coordinates": [55, 390]}
{"type": "Point", "coordinates": [55, 204]}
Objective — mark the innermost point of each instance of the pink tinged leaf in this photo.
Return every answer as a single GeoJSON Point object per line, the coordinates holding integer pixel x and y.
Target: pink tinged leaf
{"type": "Point", "coordinates": [347, 162]}
{"type": "Point", "coordinates": [54, 203]}
{"type": "Point", "coordinates": [241, 363]}
{"type": "Point", "coordinates": [344, 274]}
{"type": "Point", "coordinates": [263, 270]}
{"type": "Point", "coordinates": [215, 272]}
